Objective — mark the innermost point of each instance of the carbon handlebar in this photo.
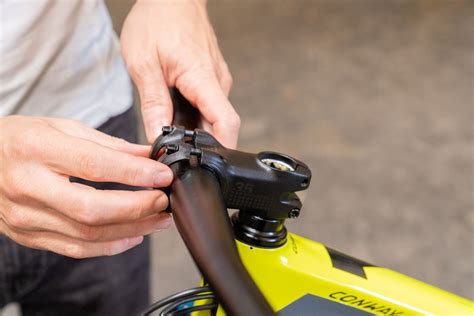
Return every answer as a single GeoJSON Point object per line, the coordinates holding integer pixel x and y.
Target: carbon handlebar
{"type": "Point", "coordinates": [201, 218]}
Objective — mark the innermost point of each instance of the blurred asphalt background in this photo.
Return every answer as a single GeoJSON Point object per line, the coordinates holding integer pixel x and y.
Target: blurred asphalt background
{"type": "Point", "coordinates": [377, 97]}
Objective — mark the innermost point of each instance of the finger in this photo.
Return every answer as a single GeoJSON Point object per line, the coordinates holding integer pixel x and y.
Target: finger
{"type": "Point", "coordinates": [88, 160]}
{"type": "Point", "coordinates": [90, 206]}
{"type": "Point", "coordinates": [76, 129]}
{"type": "Point", "coordinates": [202, 88]}
{"type": "Point", "coordinates": [226, 81]}
{"type": "Point", "coordinates": [156, 105]}
{"type": "Point", "coordinates": [225, 78]}
{"type": "Point", "coordinates": [70, 247]}
{"type": "Point", "coordinates": [44, 219]}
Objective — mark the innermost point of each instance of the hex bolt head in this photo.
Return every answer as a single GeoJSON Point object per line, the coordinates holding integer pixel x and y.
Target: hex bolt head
{"type": "Point", "coordinates": [195, 152]}
{"type": "Point", "coordinates": [171, 148]}
{"type": "Point", "coordinates": [166, 130]}
{"type": "Point", "coordinates": [294, 213]}
{"type": "Point", "coordinates": [188, 133]}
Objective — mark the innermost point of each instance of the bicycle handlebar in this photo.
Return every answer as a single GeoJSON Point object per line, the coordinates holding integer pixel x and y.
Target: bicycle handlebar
{"type": "Point", "coordinates": [210, 178]}
{"type": "Point", "coordinates": [201, 218]}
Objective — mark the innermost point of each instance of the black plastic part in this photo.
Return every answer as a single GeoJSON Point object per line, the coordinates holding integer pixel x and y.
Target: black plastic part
{"type": "Point", "coordinates": [256, 231]}
{"type": "Point", "coordinates": [201, 218]}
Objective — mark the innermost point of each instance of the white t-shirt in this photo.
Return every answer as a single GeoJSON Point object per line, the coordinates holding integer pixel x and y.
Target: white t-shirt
{"type": "Point", "coordinates": [61, 59]}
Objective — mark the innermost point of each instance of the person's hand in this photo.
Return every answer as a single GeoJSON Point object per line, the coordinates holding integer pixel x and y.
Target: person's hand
{"type": "Point", "coordinates": [40, 208]}
{"type": "Point", "coordinates": [169, 43]}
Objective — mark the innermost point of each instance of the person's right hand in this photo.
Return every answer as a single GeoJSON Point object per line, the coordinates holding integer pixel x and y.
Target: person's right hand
{"type": "Point", "coordinates": [40, 208]}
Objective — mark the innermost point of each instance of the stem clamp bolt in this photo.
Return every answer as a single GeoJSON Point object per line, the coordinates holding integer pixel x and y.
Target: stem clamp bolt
{"type": "Point", "coordinates": [171, 149]}
{"type": "Point", "coordinates": [196, 152]}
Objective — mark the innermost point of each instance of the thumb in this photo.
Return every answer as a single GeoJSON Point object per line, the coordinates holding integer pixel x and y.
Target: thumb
{"type": "Point", "coordinates": [155, 100]}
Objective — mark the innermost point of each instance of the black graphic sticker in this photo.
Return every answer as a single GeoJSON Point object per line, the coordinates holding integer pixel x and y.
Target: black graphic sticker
{"type": "Point", "coordinates": [347, 263]}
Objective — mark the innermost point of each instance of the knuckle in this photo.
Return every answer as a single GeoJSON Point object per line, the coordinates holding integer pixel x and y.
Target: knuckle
{"type": "Point", "coordinates": [89, 166]}
{"type": "Point", "coordinates": [25, 143]}
{"type": "Point", "coordinates": [17, 218]}
{"type": "Point", "coordinates": [206, 70]}
{"type": "Point", "coordinates": [233, 121]}
{"type": "Point", "coordinates": [228, 80]}
{"type": "Point", "coordinates": [86, 213]}
{"type": "Point", "coordinates": [140, 64]}
{"type": "Point", "coordinates": [226, 75]}
{"type": "Point", "coordinates": [13, 187]}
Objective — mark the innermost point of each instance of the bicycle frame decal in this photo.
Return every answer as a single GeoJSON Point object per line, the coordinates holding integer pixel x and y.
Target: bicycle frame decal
{"type": "Point", "coordinates": [364, 303]}
{"type": "Point", "coordinates": [310, 304]}
{"type": "Point", "coordinates": [347, 263]}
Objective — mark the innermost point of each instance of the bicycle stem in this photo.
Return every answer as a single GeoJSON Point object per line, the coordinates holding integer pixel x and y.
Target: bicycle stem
{"type": "Point", "coordinates": [210, 178]}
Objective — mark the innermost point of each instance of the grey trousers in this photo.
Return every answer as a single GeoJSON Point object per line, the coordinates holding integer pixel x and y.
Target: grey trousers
{"type": "Point", "coordinates": [45, 283]}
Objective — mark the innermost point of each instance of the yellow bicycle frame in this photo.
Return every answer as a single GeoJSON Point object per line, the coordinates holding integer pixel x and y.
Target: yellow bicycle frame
{"type": "Point", "coordinates": [297, 276]}
{"type": "Point", "coordinates": [303, 277]}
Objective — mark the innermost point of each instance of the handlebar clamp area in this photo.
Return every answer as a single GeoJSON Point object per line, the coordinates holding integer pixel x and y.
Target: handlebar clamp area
{"type": "Point", "coordinates": [263, 184]}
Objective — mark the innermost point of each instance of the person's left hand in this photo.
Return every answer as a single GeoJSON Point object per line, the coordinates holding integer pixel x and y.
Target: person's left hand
{"type": "Point", "coordinates": [171, 43]}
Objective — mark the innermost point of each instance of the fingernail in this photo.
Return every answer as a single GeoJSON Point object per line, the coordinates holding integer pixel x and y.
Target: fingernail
{"type": "Point", "coordinates": [161, 203]}
{"type": "Point", "coordinates": [133, 241]}
{"type": "Point", "coordinates": [163, 223]}
{"type": "Point", "coordinates": [125, 244]}
{"type": "Point", "coordinates": [163, 178]}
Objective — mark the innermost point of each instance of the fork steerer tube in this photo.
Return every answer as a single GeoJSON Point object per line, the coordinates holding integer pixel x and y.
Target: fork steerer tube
{"type": "Point", "coordinates": [201, 218]}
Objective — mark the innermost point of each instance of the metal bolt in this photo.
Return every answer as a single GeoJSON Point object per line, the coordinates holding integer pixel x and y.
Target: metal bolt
{"type": "Point", "coordinates": [195, 152]}
{"type": "Point", "coordinates": [166, 130]}
{"type": "Point", "coordinates": [171, 148]}
{"type": "Point", "coordinates": [294, 213]}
